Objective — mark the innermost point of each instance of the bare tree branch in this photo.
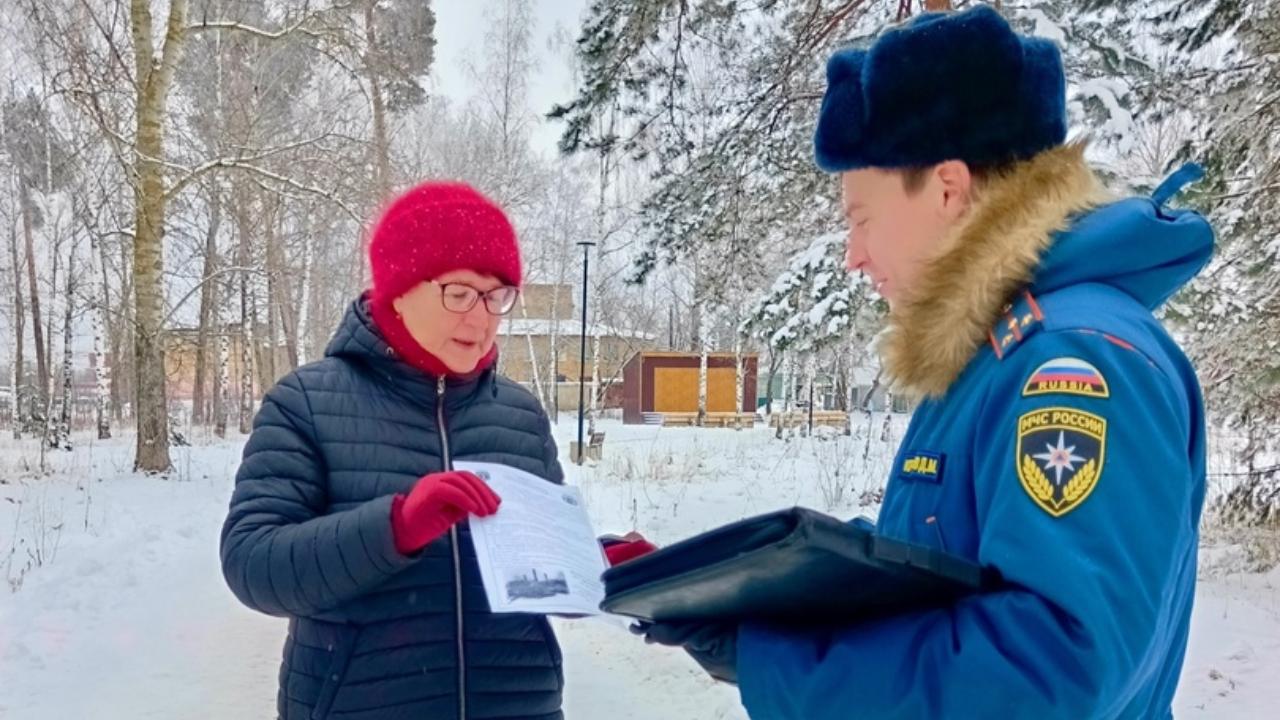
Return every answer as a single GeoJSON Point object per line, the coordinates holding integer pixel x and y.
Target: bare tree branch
{"type": "Point", "coordinates": [297, 27]}
{"type": "Point", "coordinates": [330, 195]}
{"type": "Point", "coordinates": [249, 29]}
{"type": "Point", "coordinates": [197, 172]}
{"type": "Point", "coordinates": [107, 36]}
{"type": "Point", "coordinates": [117, 142]}
{"type": "Point", "coordinates": [208, 279]}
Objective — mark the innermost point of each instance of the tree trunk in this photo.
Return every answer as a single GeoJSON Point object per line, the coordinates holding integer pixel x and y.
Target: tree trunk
{"type": "Point", "coordinates": [788, 390]}
{"type": "Point", "coordinates": [50, 422]}
{"type": "Point", "coordinates": [19, 330]}
{"type": "Point", "coordinates": [251, 360]}
{"type": "Point", "coordinates": [13, 399]}
{"type": "Point", "coordinates": [703, 353]}
{"type": "Point", "coordinates": [222, 382]}
{"type": "Point", "coordinates": [605, 175]}
{"type": "Point", "coordinates": [850, 389]}
{"type": "Point", "coordinates": [281, 290]}
{"type": "Point", "coordinates": [553, 398]}
{"type": "Point", "coordinates": [303, 326]}
{"type": "Point", "coordinates": [775, 358]}
{"type": "Point", "coordinates": [222, 395]}
{"type": "Point", "coordinates": [595, 378]}
{"type": "Point", "coordinates": [102, 399]}
{"type": "Point", "coordinates": [595, 366]}
{"type": "Point", "coordinates": [886, 432]}
{"type": "Point", "coordinates": [208, 289]}
{"type": "Point", "coordinates": [381, 146]}
{"type": "Point", "coordinates": [154, 79]}
{"type": "Point", "coordinates": [789, 384]}
{"type": "Point", "coordinates": [695, 321]}
{"type": "Point", "coordinates": [810, 377]}
{"type": "Point", "coordinates": [246, 340]}
{"type": "Point", "coordinates": [263, 349]}
{"type": "Point", "coordinates": [740, 381]}
{"type": "Point", "coordinates": [64, 417]}
{"type": "Point", "coordinates": [533, 354]}
{"type": "Point", "coordinates": [272, 353]}
{"type": "Point", "coordinates": [37, 324]}
{"type": "Point", "coordinates": [122, 345]}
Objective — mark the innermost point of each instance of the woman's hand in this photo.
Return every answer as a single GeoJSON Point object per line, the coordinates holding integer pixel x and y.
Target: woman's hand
{"type": "Point", "coordinates": [436, 503]}
{"type": "Point", "coordinates": [628, 547]}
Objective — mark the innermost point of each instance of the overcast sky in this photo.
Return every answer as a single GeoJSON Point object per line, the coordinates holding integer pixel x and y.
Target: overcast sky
{"type": "Point", "coordinates": [460, 28]}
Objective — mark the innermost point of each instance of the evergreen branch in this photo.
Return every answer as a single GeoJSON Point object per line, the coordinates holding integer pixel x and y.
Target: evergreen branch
{"type": "Point", "coordinates": [1246, 193]}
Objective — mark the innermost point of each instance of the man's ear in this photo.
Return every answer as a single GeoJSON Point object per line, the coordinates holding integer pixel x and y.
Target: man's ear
{"type": "Point", "coordinates": [957, 187]}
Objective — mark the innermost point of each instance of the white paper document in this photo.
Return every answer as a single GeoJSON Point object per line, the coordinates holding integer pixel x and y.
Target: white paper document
{"type": "Point", "coordinates": [538, 553]}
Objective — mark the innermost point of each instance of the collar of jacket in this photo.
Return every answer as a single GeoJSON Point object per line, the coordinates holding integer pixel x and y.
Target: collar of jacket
{"type": "Point", "coordinates": [989, 256]}
{"type": "Point", "coordinates": [358, 336]}
{"type": "Point", "coordinates": [392, 329]}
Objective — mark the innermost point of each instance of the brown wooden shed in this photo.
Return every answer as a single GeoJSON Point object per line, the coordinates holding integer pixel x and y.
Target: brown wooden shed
{"type": "Point", "coordinates": [667, 382]}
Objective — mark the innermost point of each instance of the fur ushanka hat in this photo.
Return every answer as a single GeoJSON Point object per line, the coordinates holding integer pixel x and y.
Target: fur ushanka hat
{"type": "Point", "coordinates": [945, 86]}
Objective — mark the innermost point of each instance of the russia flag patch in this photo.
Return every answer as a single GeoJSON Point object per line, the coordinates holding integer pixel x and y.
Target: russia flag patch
{"type": "Point", "coordinates": [1067, 376]}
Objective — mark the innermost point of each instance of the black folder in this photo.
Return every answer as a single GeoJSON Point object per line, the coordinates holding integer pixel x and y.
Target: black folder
{"type": "Point", "coordinates": [796, 566]}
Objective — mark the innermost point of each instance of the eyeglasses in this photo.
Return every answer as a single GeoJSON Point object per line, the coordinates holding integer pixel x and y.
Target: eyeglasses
{"type": "Point", "coordinates": [460, 298]}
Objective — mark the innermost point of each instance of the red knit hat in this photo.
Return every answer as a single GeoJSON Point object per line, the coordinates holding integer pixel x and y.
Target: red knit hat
{"type": "Point", "coordinates": [439, 227]}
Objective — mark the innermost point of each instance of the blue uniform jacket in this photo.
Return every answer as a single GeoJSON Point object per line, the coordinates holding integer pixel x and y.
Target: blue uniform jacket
{"type": "Point", "coordinates": [1064, 447]}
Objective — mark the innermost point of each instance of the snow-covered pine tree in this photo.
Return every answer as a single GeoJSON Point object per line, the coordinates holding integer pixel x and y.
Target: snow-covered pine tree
{"type": "Point", "coordinates": [813, 303]}
{"type": "Point", "coordinates": [1161, 83]}
{"type": "Point", "coordinates": [1235, 304]}
{"type": "Point", "coordinates": [721, 99]}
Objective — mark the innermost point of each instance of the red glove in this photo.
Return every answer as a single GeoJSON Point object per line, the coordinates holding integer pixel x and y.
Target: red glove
{"type": "Point", "coordinates": [628, 547]}
{"type": "Point", "coordinates": [436, 503]}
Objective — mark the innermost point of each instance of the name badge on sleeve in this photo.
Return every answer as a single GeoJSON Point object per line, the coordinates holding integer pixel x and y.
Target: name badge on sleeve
{"type": "Point", "coordinates": [922, 466]}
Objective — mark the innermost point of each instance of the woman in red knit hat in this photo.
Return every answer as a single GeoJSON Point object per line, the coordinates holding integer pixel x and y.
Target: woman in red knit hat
{"type": "Point", "coordinates": [347, 517]}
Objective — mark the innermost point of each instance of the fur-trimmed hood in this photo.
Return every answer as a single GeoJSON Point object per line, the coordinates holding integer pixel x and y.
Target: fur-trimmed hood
{"type": "Point", "coordinates": [1041, 226]}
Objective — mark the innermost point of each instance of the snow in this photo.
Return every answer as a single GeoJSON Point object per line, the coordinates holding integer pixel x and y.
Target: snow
{"type": "Point", "coordinates": [1234, 655]}
{"type": "Point", "coordinates": [130, 617]}
{"type": "Point", "coordinates": [1119, 121]}
{"type": "Point", "coordinates": [1046, 28]}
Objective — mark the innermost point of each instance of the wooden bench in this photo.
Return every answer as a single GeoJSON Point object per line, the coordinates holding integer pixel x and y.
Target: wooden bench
{"type": "Point", "coordinates": [729, 420]}
{"type": "Point", "coordinates": [594, 450]}
{"type": "Point", "coordinates": [716, 419]}
{"type": "Point", "coordinates": [800, 418]}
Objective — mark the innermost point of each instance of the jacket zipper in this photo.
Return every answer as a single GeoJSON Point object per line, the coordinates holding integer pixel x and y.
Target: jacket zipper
{"type": "Point", "coordinates": [457, 560]}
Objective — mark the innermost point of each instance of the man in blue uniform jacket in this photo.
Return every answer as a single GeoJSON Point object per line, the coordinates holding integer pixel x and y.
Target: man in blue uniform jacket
{"type": "Point", "coordinates": [1060, 436]}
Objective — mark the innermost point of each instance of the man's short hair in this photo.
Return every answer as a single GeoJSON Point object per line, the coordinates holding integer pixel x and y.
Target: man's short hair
{"type": "Point", "coordinates": [914, 177]}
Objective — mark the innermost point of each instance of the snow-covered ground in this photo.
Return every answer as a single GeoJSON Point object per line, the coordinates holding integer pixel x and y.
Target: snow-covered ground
{"type": "Point", "coordinates": [114, 605]}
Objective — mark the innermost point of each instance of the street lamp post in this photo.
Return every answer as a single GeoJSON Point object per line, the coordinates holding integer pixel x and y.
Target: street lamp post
{"type": "Point", "coordinates": [586, 246]}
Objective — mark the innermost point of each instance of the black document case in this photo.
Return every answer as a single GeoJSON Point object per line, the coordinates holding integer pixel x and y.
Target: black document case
{"type": "Point", "coordinates": [794, 566]}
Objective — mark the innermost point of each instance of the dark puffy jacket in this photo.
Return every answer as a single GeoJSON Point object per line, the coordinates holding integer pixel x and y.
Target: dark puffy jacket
{"type": "Point", "coordinates": [374, 635]}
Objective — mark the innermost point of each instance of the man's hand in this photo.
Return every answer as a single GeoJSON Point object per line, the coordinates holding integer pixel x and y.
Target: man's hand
{"type": "Point", "coordinates": [713, 645]}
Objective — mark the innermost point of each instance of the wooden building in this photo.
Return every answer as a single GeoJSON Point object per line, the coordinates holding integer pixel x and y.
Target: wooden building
{"type": "Point", "coordinates": [667, 382]}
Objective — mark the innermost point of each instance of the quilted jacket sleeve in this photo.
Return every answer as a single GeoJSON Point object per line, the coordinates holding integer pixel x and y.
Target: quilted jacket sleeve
{"type": "Point", "coordinates": [283, 552]}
